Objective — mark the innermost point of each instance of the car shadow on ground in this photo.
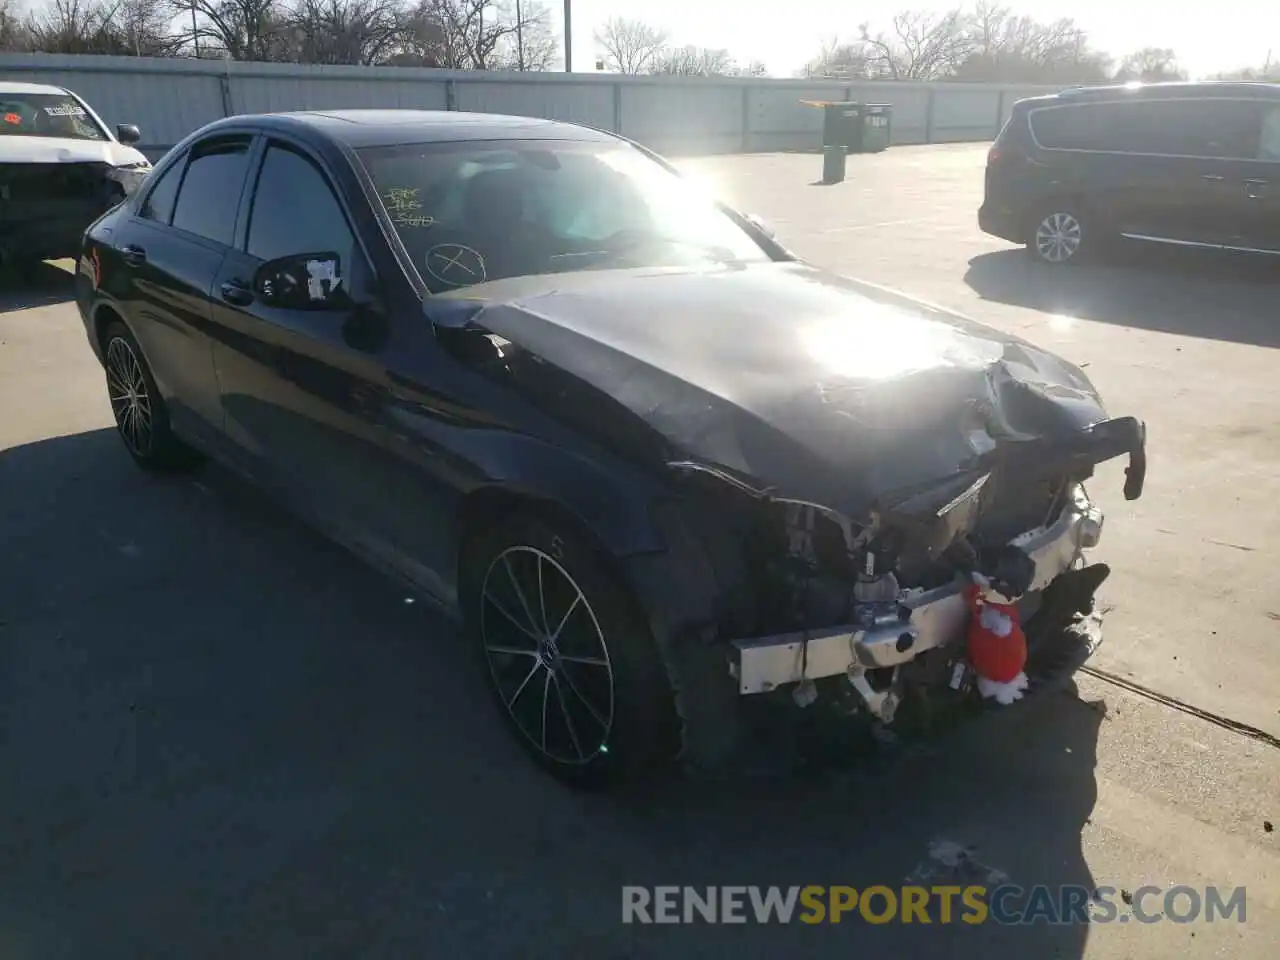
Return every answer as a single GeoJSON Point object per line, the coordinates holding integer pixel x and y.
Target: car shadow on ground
{"type": "Point", "coordinates": [228, 737]}
{"type": "Point", "coordinates": [1191, 293]}
{"type": "Point", "coordinates": [36, 286]}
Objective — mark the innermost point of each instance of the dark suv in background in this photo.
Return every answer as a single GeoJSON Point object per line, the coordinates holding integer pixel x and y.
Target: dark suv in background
{"type": "Point", "coordinates": [1188, 164]}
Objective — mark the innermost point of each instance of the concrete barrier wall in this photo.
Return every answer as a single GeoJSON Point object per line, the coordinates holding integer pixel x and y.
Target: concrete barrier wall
{"type": "Point", "coordinates": [170, 98]}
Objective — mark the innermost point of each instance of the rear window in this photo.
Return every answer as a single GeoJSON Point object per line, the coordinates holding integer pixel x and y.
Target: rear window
{"type": "Point", "coordinates": [1189, 128]}
{"type": "Point", "coordinates": [47, 115]}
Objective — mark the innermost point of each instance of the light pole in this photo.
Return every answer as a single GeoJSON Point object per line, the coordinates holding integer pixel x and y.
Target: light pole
{"type": "Point", "coordinates": [519, 38]}
{"type": "Point", "coordinates": [568, 37]}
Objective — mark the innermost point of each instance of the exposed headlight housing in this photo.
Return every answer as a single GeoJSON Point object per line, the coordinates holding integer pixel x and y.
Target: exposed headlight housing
{"type": "Point", "coordinates": [130, 175]}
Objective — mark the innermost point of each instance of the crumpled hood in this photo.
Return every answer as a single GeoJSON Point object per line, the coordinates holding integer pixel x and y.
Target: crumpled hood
{"type": "Point", "coordinates": [66, 150]}
{"type": "Point", "coordinates": [826, 389]}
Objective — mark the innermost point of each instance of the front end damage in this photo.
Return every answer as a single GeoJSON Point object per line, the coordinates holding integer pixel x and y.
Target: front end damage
{"type": "Point", "coordinates": [870, 615]}
{"type": "Point", "coordinates": [838, 465]}
{"type": "Point", "coordinates": [46, 207]}
{"type": "Point", "coordinates": [896, 628]}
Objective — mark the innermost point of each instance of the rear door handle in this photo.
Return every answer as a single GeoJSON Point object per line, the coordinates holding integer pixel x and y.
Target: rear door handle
{"type": "Point", "coordinates": [1212, 177]}
{"type": "Point", "coordinates": [234, 291]}
{"type": "Point", "coordinates": [1254, 181]}
{"type": "Point", "coordinates": [133, 255]}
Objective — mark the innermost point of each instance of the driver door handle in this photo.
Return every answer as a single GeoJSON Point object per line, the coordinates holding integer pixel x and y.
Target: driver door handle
{"type": "Point", "coordinates": [235, 291]}
{"type": "Point", "coordinates": [133, 255]}
{"type": "Point", "coordinates": [1212, 177]}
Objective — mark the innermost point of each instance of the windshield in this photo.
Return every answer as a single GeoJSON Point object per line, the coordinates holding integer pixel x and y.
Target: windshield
{"type": "Point", "coordinates": [46, 115]}
{"type": "Point", "coordinates": [470, 212]}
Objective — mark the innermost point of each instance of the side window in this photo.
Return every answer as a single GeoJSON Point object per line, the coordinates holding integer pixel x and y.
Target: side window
{"type": "Point", "coordinates": [1064, 128]}
{"type": "Point", "coordinates": [1179, 128]}
{"type": "Point", "coordinates": [159, 203]}
{"type": "Point", "coordinates": [295, 211]}
{"type": "Point", "coordinates": [1269, 146]}
{"type": "Point", "coordinates": [211, 191]}
{"type": "Point", "coordinates": [1226, 129]}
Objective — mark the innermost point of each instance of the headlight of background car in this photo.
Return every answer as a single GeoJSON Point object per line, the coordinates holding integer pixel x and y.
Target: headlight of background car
{"type": "Point", "coordinates": [130, 175]}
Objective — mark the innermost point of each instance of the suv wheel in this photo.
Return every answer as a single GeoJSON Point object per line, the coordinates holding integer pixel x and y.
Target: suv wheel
{"type": "Point", "coordinates": [1058, 236]}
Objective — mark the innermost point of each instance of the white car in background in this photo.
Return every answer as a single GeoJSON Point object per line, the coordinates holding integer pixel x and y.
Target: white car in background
{"type": "Point", "coordinates": [60, 169]}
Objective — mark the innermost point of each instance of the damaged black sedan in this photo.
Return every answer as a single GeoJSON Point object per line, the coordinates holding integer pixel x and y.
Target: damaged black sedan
{"type": "Point", "coordinates": [658, 466]}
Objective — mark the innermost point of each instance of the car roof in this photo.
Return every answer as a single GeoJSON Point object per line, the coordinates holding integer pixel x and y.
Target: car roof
{"type": "Point", "coordinates": [1208, 89]}
{"type": "Point", "coordinates": [368, 128]}
{"type": "Point", "coordinates": [7, 88]}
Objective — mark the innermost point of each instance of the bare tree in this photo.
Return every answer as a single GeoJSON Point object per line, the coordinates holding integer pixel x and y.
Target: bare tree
{"type": "Point", "coordinates": [364, 32]}
{"type": "Point", "coordinates": [13, 27]}
{"type": "Point", "coordinates": [116, 27]}
{"type": "Point", "coordinates": [1268, 73]}
{"type": "Point", "coordinates": [630, 46]}
{"type": "Point", "coordinates": [239, 29]}
{"type": "Point", "coordinates": [691, 61]}
{"type": "Point", "coordinates": [535, 45]}
{"type": "Point", "coordinates": [144, 28]}
{"type": "Point", "coordinates": [842, 61]}
{"type": "Point", "coordinates": [463, 34]}
{"type": "Point", "coordinates": [919, 45]}
{"type": "Point", "coordinates": [70, 26]}
{"type": "Point", "coordinates": [990, 44]}
{"type": "Point", "coordinates": [1151, 65]}
{"type": "Point", "coordinates": [1023, 50]}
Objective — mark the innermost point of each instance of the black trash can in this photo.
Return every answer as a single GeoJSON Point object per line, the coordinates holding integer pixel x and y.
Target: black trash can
{"type": "Point", "coordinates": [875, 130]}
{"type": "Point", "coordinates": [833, 163]}
{"type": "Point", "coordinates": [840, 123]}
{"type": "Point", "coordinates": [859, 127]}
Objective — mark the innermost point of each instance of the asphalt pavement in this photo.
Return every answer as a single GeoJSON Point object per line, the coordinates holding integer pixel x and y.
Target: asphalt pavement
{"type": "Point", "coordinates": [221, 736]}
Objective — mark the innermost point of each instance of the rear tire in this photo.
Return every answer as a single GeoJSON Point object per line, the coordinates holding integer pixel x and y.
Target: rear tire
{"type": "Point", "coordinates": [1061, 233]}
{"type": "Point", "coordinates": [141, 415]}
{"type": "Point", "coordinates": [566, 653]}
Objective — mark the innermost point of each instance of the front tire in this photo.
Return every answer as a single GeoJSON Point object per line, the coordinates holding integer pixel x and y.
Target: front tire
{"type": "Point", "coordinates": [1060, 234]}
{"type": "Point", "coordinates": [141, 416]}
{"type": "Point", "coordinates": [566, 653]}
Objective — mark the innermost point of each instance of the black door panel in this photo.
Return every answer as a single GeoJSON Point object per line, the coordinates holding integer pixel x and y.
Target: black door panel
{"type": "Point", "coordinates": [169, 314]}
{"type": "Point", "coordinates": [306, 391]}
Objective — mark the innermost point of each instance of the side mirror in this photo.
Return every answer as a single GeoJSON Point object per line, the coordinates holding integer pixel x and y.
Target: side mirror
{"type": "Point", "coordinates": [304, 281]}
{"type": "Point", "coordinates": [128, 133]}
{"type": "Point", "coordinates": [762, 226]}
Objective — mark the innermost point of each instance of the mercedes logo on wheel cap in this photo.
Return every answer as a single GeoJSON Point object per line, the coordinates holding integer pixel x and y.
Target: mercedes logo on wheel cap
{"type": "Point", "coordinates": [455, 264]}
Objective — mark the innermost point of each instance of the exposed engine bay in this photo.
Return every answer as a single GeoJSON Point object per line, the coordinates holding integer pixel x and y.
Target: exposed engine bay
{"type": "Point", "coordinates": [875, 608]}
{"type": "Point", "coordinates": [45, 207]}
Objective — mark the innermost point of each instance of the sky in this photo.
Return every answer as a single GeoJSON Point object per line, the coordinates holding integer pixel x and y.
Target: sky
{"type": "Point", "coordinates": [1208, 38]}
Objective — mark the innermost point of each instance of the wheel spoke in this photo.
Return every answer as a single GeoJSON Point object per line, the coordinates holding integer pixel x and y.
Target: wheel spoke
{"type": "Point", "coordinates": [546, 697]}
{"type": "Point", "coordinates": [512, 651]}
{"type": "Point", "coordinates": [568, 720]}
{"type": "Point", "coordinates": [524, 683]}
{"type": "Point", "coordinates": [573, 688]}
{"type": "Point", "coordinates": [565, 619]}
{"type": "Point", "coordinates": [524, 604]}
{"type": "Point", "coordinates": [588, 661]}
{"type": "Point", "coordinates": [511, 617]}
{"type": "Point", "coordinates": [542, 599]}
